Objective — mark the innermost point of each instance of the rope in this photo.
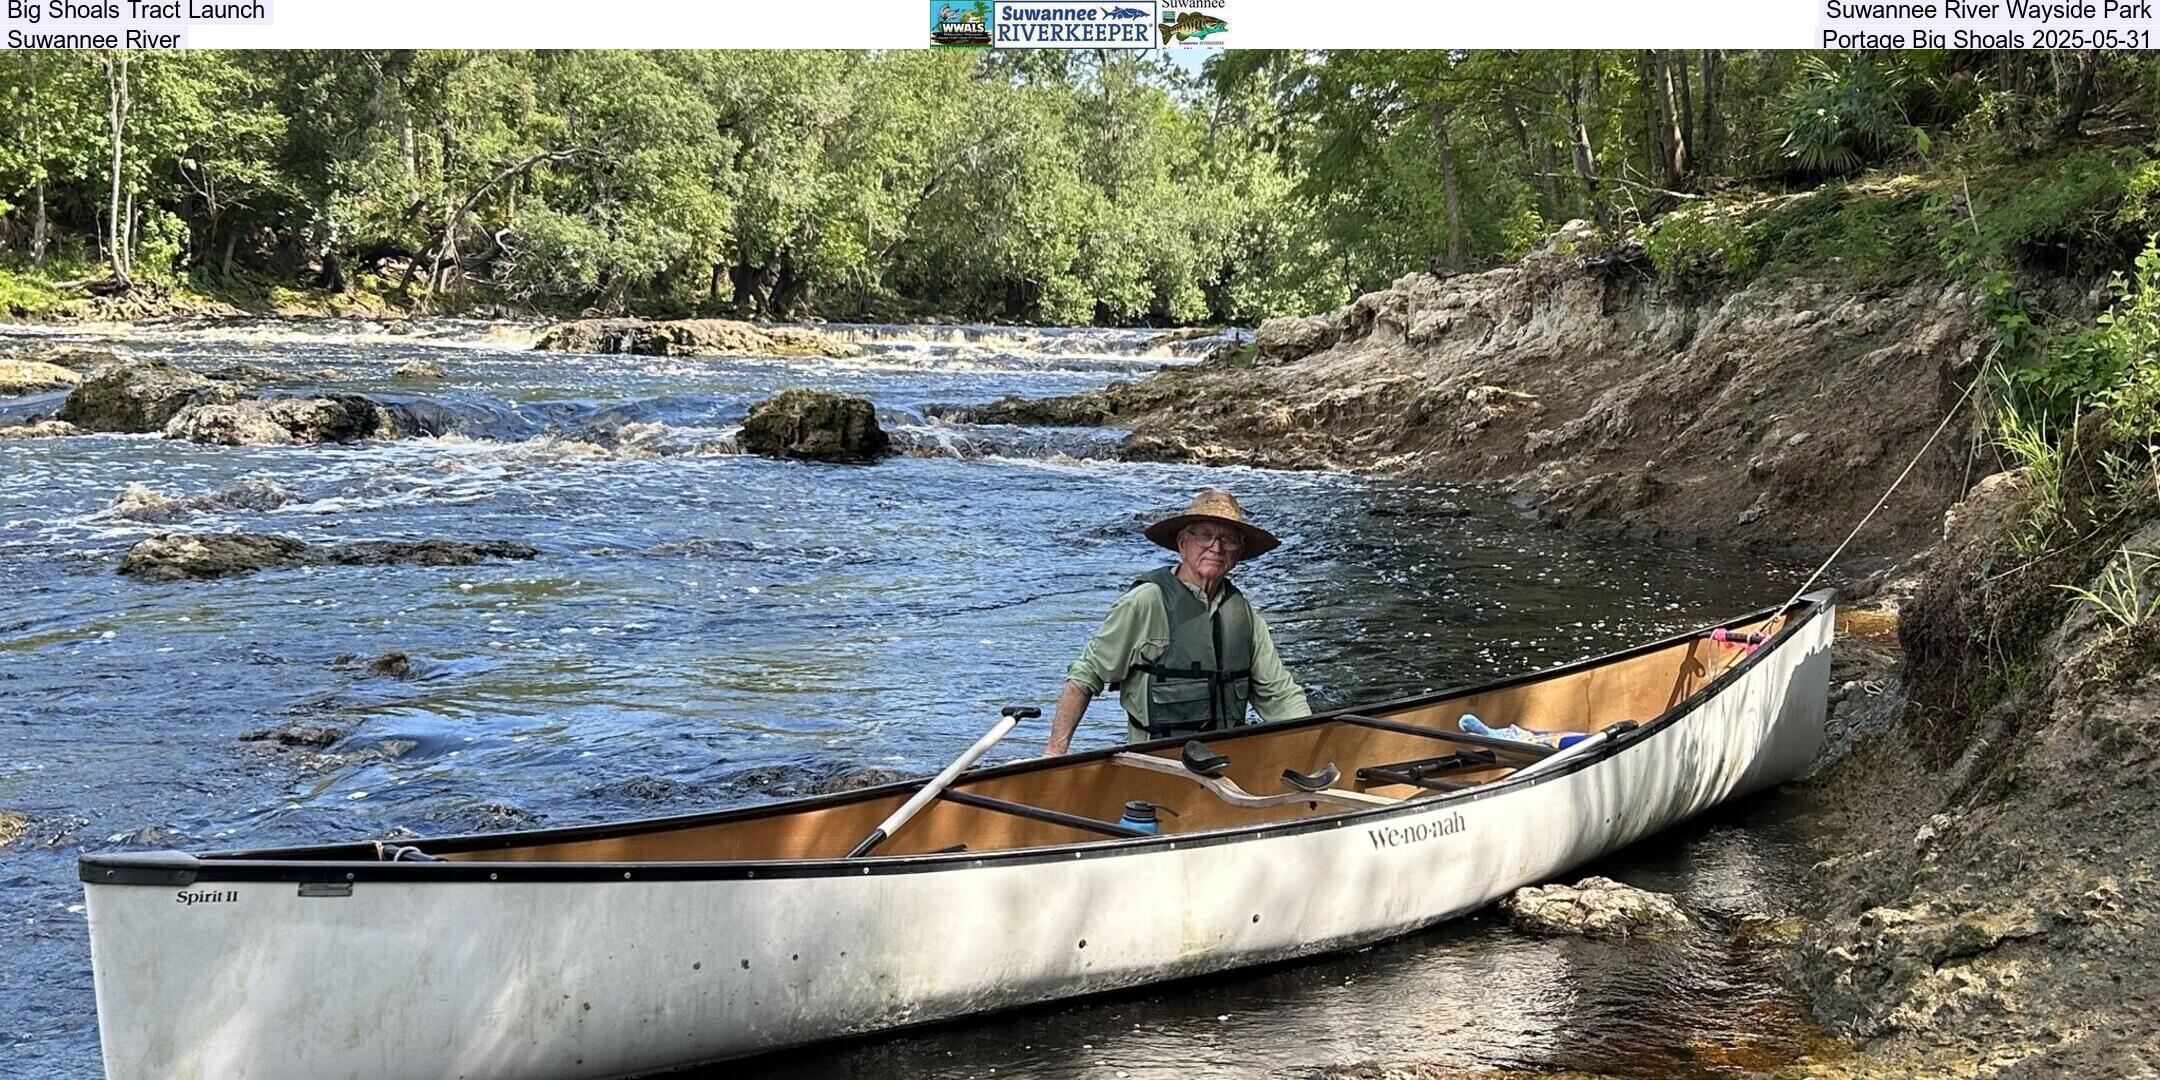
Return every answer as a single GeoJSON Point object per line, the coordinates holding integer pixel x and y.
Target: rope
{"type": "Point", "coordinates": [1880, 503]}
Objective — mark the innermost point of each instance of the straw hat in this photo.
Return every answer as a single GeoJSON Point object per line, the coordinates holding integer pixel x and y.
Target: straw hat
{"type": "Point", "coordinates": [1213, 505]}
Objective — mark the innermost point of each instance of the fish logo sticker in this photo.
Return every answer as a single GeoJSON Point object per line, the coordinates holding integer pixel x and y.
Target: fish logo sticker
{"type": "Point", "coordinates": [1200, 24]}
{"type": "Point", "coordinates": [960, 24]}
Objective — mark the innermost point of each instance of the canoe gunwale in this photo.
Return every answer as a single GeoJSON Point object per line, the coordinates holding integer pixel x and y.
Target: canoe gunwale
{"type": "Point", "coordinates": [333, 862]}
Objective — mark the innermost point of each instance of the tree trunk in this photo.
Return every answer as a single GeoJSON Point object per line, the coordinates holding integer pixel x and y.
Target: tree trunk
{"type": "Point", "coordinates": [116, 214]}
{"type": "Point", "coordinates": [1657, 144]}
{"type": "Point", "coordinates": [1450, 188]}
{"type": "Point", "coordinates": [37, 226]}
{"type": "Point", "coordinates": [225, 268]}
{"type": "Point", "coordinates": [333, 273]}
{"type": "Point", "coordinates": [1580, 152]}
{"type": "Point", "coordinates": [2074, 88]}
{"type": "Point", "coordinates": [1673, 120]}
{"type": "Point", "coordinates": [1709, 144]}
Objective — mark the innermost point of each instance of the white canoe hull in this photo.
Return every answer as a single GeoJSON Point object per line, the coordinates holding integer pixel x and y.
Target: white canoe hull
{"type": "Point", "coordinates": [248, 980]}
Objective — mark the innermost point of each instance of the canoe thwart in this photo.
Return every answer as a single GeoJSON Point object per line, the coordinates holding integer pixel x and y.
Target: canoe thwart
{"type": "Point", "coordinates": [1229, 791]}
{"type": "Point", "coordinates": [1037, 813]}
{"type": "Point", "coordinates": [1426, 772]}
{"type": "Point", "coordinates": [1505, 746]}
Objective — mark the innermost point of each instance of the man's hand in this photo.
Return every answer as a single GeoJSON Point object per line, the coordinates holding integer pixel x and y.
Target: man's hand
{"type": "Point", "coordinates": [1072, 703]}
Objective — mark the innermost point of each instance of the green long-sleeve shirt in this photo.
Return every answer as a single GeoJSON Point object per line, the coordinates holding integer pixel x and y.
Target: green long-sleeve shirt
{"type": "Point", "coordinates": [1137, 631]}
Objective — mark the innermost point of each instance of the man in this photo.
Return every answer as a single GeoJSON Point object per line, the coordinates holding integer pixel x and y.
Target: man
{"type": "Point", "coordinates": [1184, 647]}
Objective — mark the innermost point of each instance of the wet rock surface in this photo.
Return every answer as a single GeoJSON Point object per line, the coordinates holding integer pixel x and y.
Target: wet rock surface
{"type": "Point", "coordinates": [182, 556]}
{"type": "Point", "coordinates": [690, 337]}
{"type": "Point", "coordinates": [1593, 907]}
{"type": "Point", "coordinates": [19, 376]}
{"type": "Point", "coordinates": [140, 503]}
{"type": "Point", "coordinates": [138, 396]}
{"type": "Point", "coordinates": [39, 429]}
{"type": "Point", "coordinates": [815, 425]}
{"type": "Point", "coordinates": [419, 369]}
{"type": "Point", "coordinates": [331, 418]}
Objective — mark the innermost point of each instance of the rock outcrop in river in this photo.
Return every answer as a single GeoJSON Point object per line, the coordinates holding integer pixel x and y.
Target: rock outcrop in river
{"type": "Point", "coordinates": [1593, 907]}
{"type": "Point", "coordinates": [19, 376]}
{"type": "Point", "coordinates": [815, 425]}
{"type": "Point", "coordinates": [690, 337]}
{"type": "Point", "coordinates": [254, 421]}
{"type": "Point", "coordinates": [181, 556]}
{"type": "Point", "coordinates": [1580, 382]}
{"type": "Point", "coordinates": [138, 396]}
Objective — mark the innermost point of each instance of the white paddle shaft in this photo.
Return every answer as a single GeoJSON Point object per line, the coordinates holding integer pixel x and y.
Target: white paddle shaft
{"type": "Point", "coordinates": [899, 818]}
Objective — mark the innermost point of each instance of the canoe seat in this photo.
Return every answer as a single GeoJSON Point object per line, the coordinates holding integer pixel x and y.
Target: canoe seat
{"type": "Point", "coordinates": [1197, 757]}
{"type": "Point", "coordinates": [1229, 791]}
{"type": "Point", "coordinates": [1316, 781]}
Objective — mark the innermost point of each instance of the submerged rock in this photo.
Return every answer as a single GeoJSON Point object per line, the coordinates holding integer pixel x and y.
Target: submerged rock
{"type": "Point", "coordinates": [1593, 907]}
{"type": "Point", "coordinates": [139, 396]}
{"type": "Point", "coordinates": [272, 421]}
{"type": "Point", "coordinates": [141, 503]}
{"type": "Point", "coordinates": [39, 429]}
{"type": "Point", "coordinates": [426, 552]}
{"type": "Point", "coordinates": [18, 376]}
{"type": "Point", "coordinates": [419, 369]}
{"type": "Point", "coordinates": [689, 337]}
{"type": "Point", "coordinates": [182, 556]}
{"type": "Point", "coordinates": [1068, 411]}
{"type": "Point", "coordinates": [815, 425]}
{"type": "Point", "coordinates": [315, 736]}
{"type": "Point", "coordinates": [391, 665]}
{"type": "Point", "coordinates": [247, 374]}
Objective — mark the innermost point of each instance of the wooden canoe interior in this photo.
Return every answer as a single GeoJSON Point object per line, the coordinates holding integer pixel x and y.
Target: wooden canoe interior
{"type": "Point", "coordinates": [1632, 688]}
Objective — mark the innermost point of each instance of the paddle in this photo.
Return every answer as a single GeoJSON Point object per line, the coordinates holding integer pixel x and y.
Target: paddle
{"type": "Point", "coordinates": [1013, 715]}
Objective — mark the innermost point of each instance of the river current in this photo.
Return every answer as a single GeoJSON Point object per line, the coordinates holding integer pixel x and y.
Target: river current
{"type": "Point", "coordinates": [706, 629]}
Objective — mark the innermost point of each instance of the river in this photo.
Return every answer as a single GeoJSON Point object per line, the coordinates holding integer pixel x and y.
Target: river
{"type": "Point", "coordinates": [705, 629]}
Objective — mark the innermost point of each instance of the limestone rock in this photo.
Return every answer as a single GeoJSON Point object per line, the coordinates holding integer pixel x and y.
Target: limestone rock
{"type": "Point", "coordinates": [39, 429]}
{"type": "Point", "coordinates": [689, 337]}
{"type": "Point", "coordinates": [176, 557]}
{"type": "Point", "coordinates": [815, 425]}
{"type": "Point", "coordinates": [18, 376]}
{"type": "Point", "coordinates": [1291, 337]}
{"type": "Point", "coordinates": [1593, 907]}
{"type": "Point", "coordinates": [271, 421]}
{"type": "Point", "coordinates": [140, 396]}
{"type": "Point", "coordinates": [182, 556]}
{"type": "Point", "coordinates": [140, 503]}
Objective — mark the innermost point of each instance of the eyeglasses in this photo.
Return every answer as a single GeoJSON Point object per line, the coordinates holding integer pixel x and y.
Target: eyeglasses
{"type": "Point", "coordinates": [1227, 543]}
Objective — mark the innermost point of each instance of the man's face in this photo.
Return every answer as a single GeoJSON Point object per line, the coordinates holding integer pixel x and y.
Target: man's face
{"type": "Point", "coordinates": [1211, 550]}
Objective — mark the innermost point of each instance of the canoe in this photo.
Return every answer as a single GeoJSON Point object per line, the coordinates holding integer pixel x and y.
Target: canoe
{"type": "Point", "coordinates": [626, 948]}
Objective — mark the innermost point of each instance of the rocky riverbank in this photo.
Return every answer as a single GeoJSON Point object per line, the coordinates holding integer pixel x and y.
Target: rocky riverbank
{"type": "Point", "coordinates": [1584, 386]}
{"type": "Point", "coordinates": [1992, 907]}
